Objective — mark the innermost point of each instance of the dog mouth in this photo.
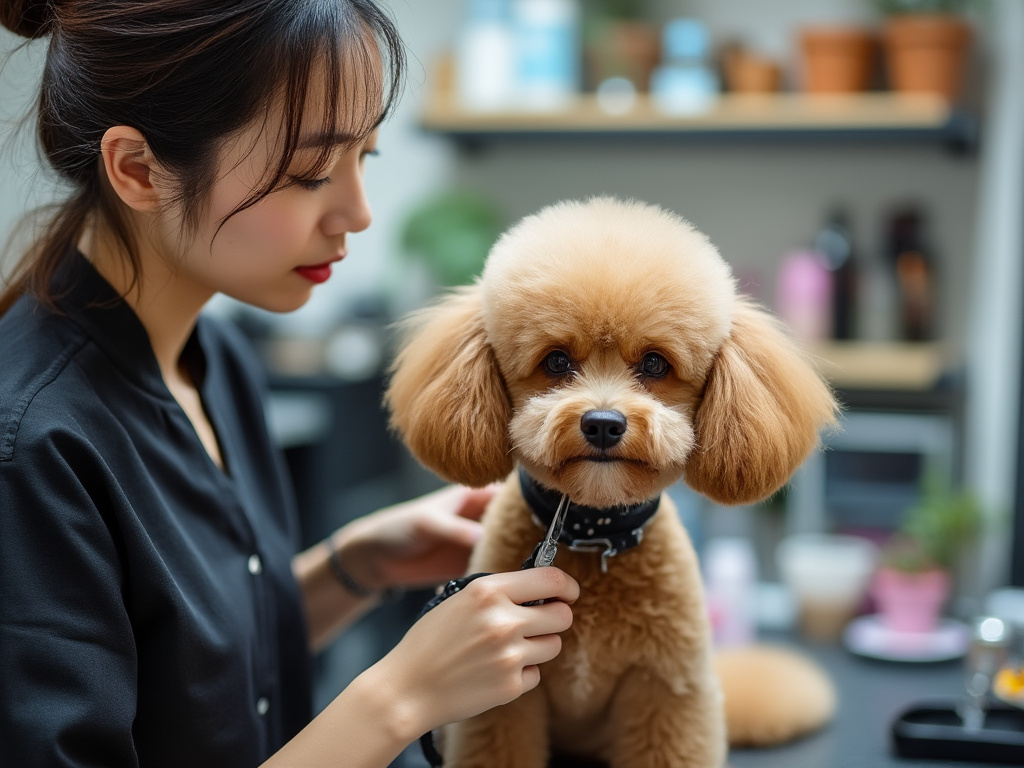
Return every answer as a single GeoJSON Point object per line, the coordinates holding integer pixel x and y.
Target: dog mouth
{"type": "Point", "coordinates": [601, 459]}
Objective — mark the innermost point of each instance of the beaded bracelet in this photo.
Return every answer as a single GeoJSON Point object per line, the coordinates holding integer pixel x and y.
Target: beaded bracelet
{"type": "Point", "coordinates": [346, 580]}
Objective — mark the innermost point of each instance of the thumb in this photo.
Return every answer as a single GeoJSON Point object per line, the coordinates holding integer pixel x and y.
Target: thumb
{"type": "Point", "coordinates": [475, 501]}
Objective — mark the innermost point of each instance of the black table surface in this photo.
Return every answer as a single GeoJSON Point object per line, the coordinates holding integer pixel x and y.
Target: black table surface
{"type": "Point", "coordinates": [871, 695]}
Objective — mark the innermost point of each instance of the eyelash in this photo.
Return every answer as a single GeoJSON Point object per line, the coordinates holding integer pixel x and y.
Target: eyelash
{"type": "Point", "coordinates": [312, 185]}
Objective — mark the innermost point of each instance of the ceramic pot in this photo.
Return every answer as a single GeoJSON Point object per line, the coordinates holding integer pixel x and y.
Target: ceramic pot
{"type": "Point", "coordinates": [837, 59]}
{"type": "Point", "coordinates": [926, 53]}
{"type": "Point", "coordinates": [910, 602]}
{"type": "Point", "coordinates": [749, 73]}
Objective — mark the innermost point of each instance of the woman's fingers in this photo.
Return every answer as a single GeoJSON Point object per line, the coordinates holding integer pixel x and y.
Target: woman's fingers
{"type": "Point", "coordinates": [539, 649]}
{"type": "Point", "coordinates": [528, 586]}
{"type": "Point", "coordinates": [482, 647]}
{"type": "Point", "coordinates": [547, 619]}
{"type": "Point", "coordinates": [475, 501]}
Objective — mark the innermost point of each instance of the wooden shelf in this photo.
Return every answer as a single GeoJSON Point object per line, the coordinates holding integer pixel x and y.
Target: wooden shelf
{"type": "Point", "coordinates": [873, 116]}
{"type": "Point", "coordinates": [916, 366]}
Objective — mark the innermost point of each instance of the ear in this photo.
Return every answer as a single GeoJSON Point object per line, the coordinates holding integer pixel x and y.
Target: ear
{"type": "Point", "coordinates": [446, 395]}
{"type": "Point", "coordinates": [130, 167]}
{"type": "Point", "coordinates": [763, 406]}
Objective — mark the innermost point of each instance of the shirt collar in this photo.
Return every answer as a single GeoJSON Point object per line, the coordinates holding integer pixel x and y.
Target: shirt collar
{"type": "Point", "coordinates": [93, 304]}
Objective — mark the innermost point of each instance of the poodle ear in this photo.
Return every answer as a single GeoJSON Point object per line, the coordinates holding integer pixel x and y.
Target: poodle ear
{"type": "Point", "coordinates": [446, 395]}
{"type": "Point", "coordinates": [762, 408]}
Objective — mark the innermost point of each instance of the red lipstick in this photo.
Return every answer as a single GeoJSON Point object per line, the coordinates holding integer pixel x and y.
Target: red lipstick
{"type": "Point", "coordinates": [319, 273]}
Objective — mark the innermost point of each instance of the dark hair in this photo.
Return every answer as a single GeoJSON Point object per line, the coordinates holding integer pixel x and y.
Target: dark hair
{"type": "Point", "coordinates": [187, 74]}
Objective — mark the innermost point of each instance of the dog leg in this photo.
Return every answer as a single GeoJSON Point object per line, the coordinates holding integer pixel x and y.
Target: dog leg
{"type": "Point", "coordinates": [511, 736]}
{"type": "Point", "coordinates": [655, 727]}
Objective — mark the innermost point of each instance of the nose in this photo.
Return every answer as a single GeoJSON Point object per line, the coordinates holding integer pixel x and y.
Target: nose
{"type": "Point", "coordinates": [603, 429]}
{"type": "Point", "coordinates": [349, 210]}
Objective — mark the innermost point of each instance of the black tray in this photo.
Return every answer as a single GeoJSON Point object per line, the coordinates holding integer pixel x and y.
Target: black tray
{"type": "Point", "coordinates": [935, 730]}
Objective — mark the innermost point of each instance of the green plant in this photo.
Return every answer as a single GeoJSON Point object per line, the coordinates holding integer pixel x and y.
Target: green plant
{"type": "Point", "coordinates": [935, 529]}
{"type": "Point", "coordinates": [618, 9]}
{"type": "Point", "coordinates": [452, 232]}
{"type": "Point", "coordinates": [896, 7]}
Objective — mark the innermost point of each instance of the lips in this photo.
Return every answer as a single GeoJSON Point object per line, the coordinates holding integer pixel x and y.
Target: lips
{"type": "Point", "coordinates": [318, 273]}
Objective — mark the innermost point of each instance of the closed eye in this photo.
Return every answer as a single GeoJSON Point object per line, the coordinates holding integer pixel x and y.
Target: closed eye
{"type": "Point", "coordinates": [310, 185]}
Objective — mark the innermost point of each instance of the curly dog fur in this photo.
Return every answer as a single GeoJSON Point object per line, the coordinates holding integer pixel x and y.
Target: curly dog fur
{"type": "Point", "coordinates": [611, 306]}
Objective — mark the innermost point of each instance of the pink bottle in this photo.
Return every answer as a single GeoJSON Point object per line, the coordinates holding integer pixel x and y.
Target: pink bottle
{"type": "Point", "coordinates": [804, 295]}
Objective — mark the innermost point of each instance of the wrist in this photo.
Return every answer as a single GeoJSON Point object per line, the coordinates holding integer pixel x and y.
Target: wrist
{"type": "Point", "coordinates": [399, 715]}
{"type": "Point", "coordinates": [350, 567]}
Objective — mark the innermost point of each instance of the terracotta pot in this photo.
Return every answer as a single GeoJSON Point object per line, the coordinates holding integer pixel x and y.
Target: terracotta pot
{"type": "Point", "coordinates": [837, 59]}
{"type": "Point", "coordinates": [926, 53]}
{"type": "Point", "coordinates": [910, 602]}
{"type": "Point", "coordinates": [749, 73]}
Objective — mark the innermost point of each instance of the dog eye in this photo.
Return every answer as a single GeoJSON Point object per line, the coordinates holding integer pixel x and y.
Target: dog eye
{"type": "Point", "coordinates": [557, 363]}
{"type": "Point", "coordinates": [654, 365]}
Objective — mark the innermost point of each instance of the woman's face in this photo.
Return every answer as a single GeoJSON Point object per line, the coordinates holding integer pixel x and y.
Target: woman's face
{"type": "Point", "coordinates": [272, 254]}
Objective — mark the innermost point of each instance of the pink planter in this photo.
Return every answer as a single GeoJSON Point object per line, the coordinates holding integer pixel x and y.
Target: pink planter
{"type": "Point", "coordinates": [910, 602]}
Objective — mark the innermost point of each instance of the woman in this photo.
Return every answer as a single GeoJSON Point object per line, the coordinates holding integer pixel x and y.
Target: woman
{"type": "Point", "coordinates": [152, 608]}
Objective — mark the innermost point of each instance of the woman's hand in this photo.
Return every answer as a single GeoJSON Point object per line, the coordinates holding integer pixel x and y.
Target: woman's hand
{"type": "Point", "coordinates": [476, 650]}
{"type": "Point", "coordinates": [422, 542]}
{"type": "Point", "coordinates": [417, 543]}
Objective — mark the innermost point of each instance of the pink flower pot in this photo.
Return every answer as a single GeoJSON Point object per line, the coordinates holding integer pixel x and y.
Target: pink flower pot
{"type": "Point", "coordinates": [910, 602]}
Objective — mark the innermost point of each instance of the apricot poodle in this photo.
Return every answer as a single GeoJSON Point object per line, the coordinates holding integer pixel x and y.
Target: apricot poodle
{"type": "Point", "coordinates": [605, 354]}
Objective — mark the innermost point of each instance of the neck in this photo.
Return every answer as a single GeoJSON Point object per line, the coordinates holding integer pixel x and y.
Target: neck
{"type": "Point", "coordinates": [165, 303]}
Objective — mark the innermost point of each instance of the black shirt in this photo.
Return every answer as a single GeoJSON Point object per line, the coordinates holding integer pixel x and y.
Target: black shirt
{"type": "Point", "coordinates": [148, 612]}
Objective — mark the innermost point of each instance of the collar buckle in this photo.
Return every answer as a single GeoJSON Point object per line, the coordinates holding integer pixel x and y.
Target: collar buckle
{"type": "Point", "coordinates": [604, 546]}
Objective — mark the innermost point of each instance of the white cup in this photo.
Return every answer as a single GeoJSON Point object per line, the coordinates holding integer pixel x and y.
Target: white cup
{"type": "Point", "coordinates": [828, 575]}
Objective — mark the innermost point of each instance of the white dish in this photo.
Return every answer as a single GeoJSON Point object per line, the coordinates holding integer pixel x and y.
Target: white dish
{"type": "Point", "coordinates": [868, 636]}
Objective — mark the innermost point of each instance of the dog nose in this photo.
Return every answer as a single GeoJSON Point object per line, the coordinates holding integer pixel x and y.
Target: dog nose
{"type": "Point", "coordinates": [603, 429]}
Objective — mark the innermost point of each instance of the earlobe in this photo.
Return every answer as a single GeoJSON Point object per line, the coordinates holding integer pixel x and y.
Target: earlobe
{"type": "Point", "coordinates": [130, 167]}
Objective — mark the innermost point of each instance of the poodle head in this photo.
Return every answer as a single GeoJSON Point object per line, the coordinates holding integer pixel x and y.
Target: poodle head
{"type": "Point", "coordinates": [605, 349]}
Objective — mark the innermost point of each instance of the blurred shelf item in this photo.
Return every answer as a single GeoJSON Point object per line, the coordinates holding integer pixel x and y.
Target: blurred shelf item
{"type": "Point", "coordinates": [914, 366]}
{"type": "Point", "coordinates": [877, 116]}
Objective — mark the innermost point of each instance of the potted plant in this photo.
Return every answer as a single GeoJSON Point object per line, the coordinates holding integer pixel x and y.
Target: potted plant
{"type": "Point", "coordinates": [620, 40]}
{"type": "Point", "coordinates": [452, 231]}
{"type": "Point", "coordinates": [914, 578]}
{"type": "Point", "coordinates": [926, 43]}
{"type": "Point", "coordinates": [836, 58]}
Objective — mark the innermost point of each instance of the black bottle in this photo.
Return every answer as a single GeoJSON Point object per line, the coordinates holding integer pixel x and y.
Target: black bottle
{"type": "Point", "coordinates": [835, 245]}
{"type": "Point", "coordinates": [914, 270]}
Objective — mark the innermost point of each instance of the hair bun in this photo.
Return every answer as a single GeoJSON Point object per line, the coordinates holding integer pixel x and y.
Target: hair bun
{"type": "Point", "coordinates": [28, 18]}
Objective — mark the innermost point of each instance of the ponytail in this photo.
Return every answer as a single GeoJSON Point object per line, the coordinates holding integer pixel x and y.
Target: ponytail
{"type": "Point", "coordinates": [187, 74]}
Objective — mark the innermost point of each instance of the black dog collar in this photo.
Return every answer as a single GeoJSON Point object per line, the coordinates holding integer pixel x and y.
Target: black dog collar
{"type": "Point", "coordinates": [609, 530]}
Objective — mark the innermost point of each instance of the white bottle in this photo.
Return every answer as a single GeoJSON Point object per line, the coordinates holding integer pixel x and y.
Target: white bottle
{"type": "Point", "coordinates": [686, 83]}
{"type": "Point", "coordinates": [730, 572]}
{"type": "Point", "coordinates": [485, 57]}
{"type": "Point", "coordinates": [548, 53]}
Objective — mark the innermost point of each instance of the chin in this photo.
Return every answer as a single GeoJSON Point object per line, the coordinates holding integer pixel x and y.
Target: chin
{"type": "Point", "coordinates": [278, 302]}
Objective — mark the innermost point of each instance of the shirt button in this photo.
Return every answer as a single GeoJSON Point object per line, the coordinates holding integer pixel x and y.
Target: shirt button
{"type": "Point", "coordinates": [262, 705]}
{"type": "Point", "coordinates": [255, 565]}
